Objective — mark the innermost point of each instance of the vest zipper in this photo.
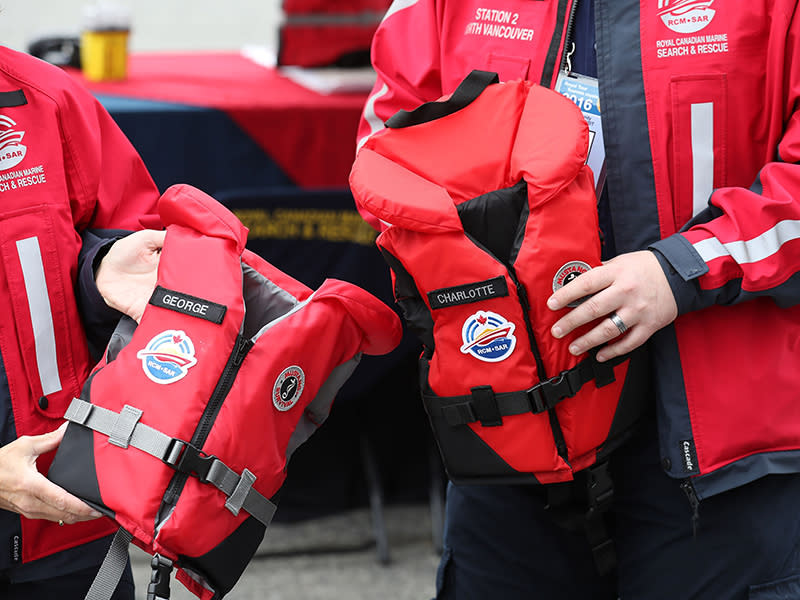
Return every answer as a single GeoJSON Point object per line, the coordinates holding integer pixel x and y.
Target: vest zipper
{"type": "Point", "coordinates": [232, 366]}
{"type": "Point", "coordinates": [522, 294]}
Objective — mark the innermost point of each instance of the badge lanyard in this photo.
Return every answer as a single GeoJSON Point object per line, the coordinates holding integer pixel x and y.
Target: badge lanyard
{"type": "Point", "coordinates": [584, 92]}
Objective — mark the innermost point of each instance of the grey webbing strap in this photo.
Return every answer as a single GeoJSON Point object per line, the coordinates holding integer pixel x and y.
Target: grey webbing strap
{"type": "Point", "coordinates": [107, 578]}
{"type": "Point", "coordinates": [123, 428]}
{"type": "Point", "coordinates": [240, 492]}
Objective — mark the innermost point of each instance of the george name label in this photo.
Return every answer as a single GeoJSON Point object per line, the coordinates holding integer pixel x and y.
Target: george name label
{"type": "Point", "coordinates": [468, 293]}
{"type": "Point", "coordinates": [188, 305]}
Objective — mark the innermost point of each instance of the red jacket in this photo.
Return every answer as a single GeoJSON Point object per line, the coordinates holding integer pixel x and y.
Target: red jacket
{"type": "Point", "coordinates": [64, 167]}
{"type": "Point", "coordinates": [697, 97]}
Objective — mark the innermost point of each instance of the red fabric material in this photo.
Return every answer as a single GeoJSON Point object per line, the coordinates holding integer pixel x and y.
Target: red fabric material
{"type": "Point", "coordinates": [319, 46]}
{"type": "Point", "coordinates": [311, 136]}
{"type": "Point", "coordinates": [291, 7]}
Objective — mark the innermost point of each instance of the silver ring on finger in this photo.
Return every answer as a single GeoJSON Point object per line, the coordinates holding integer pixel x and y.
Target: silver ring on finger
{"type": "Point", "coordinates": [616, 320]}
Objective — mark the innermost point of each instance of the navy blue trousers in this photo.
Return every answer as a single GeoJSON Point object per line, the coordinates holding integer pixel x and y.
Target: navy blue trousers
{"type": "Point", "coordinates": [72, 586]}
{"type": "Point", "coordinates": [499, 542]}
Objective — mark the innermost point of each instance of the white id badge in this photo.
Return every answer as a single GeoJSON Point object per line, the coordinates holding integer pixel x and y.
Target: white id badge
{"type": "Point", "coordinates": [583, 91]}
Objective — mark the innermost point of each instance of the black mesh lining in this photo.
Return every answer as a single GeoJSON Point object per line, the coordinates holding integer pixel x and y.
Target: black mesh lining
{"type": "Point", "coordinates": [497, 220]}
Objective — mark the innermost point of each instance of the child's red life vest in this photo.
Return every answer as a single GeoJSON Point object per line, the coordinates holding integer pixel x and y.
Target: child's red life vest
{"type": "Point", "coordinates": [183, 432]}
{"type": "Point", "coordinates": [489, 207]}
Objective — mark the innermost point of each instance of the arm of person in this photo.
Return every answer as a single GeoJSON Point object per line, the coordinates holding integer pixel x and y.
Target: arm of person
{"type": "Point", "coordinates": [744, 245]}
{"type": "Point", "coordinates": [407, 66]}
{"type": "Point", "coordinates": [112, 194]}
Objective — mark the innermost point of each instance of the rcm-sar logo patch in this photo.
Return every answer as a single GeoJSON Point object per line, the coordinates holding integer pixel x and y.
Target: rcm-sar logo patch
{"type": "Point", "coordinates": [288, 388]}
{"type": "Point", "coordinates": [167, 357]}
{"type": "Point", "coordinates": [488, 336]}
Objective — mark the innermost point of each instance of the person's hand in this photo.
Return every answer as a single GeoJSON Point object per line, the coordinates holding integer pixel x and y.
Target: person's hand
{"type": "Point", "coordinates": [127, 274]}
{"type": "Point", "coordinates": [632, 286]}
{"type": "Point", "coordinates": [25, 491]}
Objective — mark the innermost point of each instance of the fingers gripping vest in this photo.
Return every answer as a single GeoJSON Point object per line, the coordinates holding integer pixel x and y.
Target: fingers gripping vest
{"type": "Point", "coordinates": [183, 432]}
{"type": "Point", "coordinates": [489, 207]}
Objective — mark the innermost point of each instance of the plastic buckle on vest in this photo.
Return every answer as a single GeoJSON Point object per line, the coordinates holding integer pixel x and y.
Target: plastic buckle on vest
{"type": "Point", "coordinates": [185, 458]}
{"type": "Point", "coordinates": [158, 589]}
{"type": "Point", "coordinates": [547, 394]}
{"type": "Point", "coordinates": [599, 487]}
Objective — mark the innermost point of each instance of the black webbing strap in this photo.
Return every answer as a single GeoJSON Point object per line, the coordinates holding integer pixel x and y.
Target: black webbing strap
{"type": "Point", "coordinates": [581, 505]}
{"type": "Point", "coordinates": [488, 407]}
{"type": "Point", "coordinates": [467, 91]}
{"type": "Point", "coordinates": [600, 493]}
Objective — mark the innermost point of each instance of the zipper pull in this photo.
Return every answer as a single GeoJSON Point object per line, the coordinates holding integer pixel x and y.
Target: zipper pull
{"type": "Point", "coordinates": [694, 503]}
{"type": "Point", "coordinates": [242, 348]}
{"type": "Point", "coordinates": [568, 58]}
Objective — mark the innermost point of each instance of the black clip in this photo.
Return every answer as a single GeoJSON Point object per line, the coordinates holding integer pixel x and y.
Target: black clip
{"type": "Point", "coordinates": [158, 589]}
{"type": "Point", "coordinates": [185, 458]}
{"type": "Point", "coordinates": [599, 487]}
{"type": "Point", "coordinates": [545, 395]}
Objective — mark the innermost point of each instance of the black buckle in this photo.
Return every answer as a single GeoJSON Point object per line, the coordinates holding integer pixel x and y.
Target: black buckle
{"type": "Point", "coordinates": [547, 394]}
{"type": "Point", "coordinates": [158, 589]}
{"type": "Point", "coordinates": [184, 457]}
{"type": "Point", "coordinates": [600, 487]}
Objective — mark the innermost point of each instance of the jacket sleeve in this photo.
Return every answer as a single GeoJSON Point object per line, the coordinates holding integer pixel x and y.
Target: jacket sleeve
{"type": "Point", "coordinates": [108, 184]}
{"type": "Point", "coordinates": [111, 193]}
{"type": "Point", "coordinates": [746, 244]}
{"type": "Point", "coordinates": [405, 55]}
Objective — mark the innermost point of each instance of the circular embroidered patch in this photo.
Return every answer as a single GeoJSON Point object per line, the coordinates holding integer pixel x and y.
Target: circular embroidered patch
{"type": "Point", "coordinates": [288, 388]}
{"type": "Point", "coordinates": [167, 357]}
{"type": "Point", "coordinates": [567, 273]}
{"type": "Point", "coordinates": [488, 336]}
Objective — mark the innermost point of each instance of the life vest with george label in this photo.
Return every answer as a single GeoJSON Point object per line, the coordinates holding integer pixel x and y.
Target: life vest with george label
{"type": "Point", "coordinates": [489, 207]}
{"type": "Point", "coordinates": [183, 432]}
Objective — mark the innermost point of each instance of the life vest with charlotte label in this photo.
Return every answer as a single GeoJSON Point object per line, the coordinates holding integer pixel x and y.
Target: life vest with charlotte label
{"type": "Point", "coordinates": [489, 207]}
{"type": "Point", "coordinates": [183, 432]}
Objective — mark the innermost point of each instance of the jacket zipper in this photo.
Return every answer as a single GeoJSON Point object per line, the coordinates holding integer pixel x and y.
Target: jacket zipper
{"type": "Point", "coordinates": [569, 43]}
{"type": "Point", "coordinates": [522, 294]}
{"type": "Point", "coordinates": [241, 348]}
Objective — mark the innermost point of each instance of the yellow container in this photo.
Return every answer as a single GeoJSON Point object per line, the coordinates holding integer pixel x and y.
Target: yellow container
{"type": "Point", "coordinates": [104, 54]}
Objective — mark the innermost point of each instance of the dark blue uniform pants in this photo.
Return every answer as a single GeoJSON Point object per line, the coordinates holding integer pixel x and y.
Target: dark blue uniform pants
{"type": "Point", "coordinates": [500, 543]}
{"type": "Point", "coordinates": [72, 586]}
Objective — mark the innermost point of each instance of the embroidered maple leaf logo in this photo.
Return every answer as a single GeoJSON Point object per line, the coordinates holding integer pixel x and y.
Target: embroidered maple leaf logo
{"type": "Point", "coordinates": [176, 339]}
{"type": "Point", "coordinates": [481, 319]}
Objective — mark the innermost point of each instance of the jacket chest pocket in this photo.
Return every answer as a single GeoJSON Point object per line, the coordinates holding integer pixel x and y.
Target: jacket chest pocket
{"type": "Point", "coordinates": [699, 117]}
{"type": "Point", "coordinates": [40, 260]}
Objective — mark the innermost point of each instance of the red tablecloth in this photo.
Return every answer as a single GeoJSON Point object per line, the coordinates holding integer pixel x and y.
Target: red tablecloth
{"type": "Point", "coordinates": [310, 135]}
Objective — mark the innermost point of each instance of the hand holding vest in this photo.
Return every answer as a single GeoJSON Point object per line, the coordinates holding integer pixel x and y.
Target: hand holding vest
{"type": "Point", "coordinates": [183, 432]}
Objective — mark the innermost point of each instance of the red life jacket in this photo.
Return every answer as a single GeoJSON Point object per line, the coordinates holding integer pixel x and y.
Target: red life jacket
{"type": "Point", "coordinates": [490, 208]}
{"type": "Point", "coordinates": [183, 432]}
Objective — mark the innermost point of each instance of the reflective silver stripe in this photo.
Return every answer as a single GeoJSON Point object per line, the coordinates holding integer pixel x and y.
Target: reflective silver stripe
{"type": "Point", "coordinates": [702, 155]}
{"type": "Point", "coordinates": [30, 257]}
{"type": "Point", "coordinates": [373, 120]}
{"type": "Point", "coordinates": [754, 250]}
